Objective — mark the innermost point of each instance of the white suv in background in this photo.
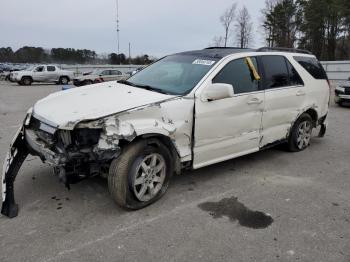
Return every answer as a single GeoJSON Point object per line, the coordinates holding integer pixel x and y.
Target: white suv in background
{"type": "Point", "coordinates": [42, 73]}
{"type": "Point", "coordinates": [187, 110]}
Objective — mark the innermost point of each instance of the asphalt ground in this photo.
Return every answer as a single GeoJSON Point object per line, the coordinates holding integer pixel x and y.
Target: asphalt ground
{"type": "Point", "coordinates": [217, 213]}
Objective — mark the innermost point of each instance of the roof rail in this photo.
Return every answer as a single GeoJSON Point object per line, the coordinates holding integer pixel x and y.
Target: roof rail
{"type": "Point", "coordinates": [221, 47]}
{"type": "Point", "coordinates": [284, 49]}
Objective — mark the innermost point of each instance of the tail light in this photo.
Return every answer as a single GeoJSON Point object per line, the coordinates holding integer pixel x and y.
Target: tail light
{"type": "Point", "coordinates": [330, 88]}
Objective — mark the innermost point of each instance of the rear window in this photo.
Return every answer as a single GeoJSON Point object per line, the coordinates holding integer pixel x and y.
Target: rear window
{"type": "Point", "coordinates": [51, 68]}
{"type": "Point", "coordinates": [313, 66]}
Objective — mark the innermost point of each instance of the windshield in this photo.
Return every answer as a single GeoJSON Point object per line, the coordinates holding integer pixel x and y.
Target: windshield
{"type": "Point", "coordinates": [176, 74]}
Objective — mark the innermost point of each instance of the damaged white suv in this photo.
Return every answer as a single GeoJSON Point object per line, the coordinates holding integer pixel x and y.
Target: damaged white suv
{"type": "Point", "coordinates": [187, 110]}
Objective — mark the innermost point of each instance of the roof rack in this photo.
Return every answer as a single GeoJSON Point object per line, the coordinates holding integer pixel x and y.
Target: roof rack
{"type": "Point", "coordinates": [284, 49]}
{"type": "Point", "coordinates": [221, 47]}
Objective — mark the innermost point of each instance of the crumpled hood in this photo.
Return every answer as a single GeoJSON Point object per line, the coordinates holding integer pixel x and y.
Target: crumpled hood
{"type": "Point", "coordinates": [65, 109]}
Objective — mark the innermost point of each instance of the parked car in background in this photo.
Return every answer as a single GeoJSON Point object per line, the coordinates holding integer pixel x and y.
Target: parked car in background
{"type": "Point", "coordinates": [99, 76]}
{"type": "Point", "coordinates": [342, 93]}
{"type": "Point", "coordinates": [43, 73]}
{"type": "Point", "coordinates": [185, 111]}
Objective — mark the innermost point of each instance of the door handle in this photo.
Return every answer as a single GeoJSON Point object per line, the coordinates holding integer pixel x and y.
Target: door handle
{"type": "Point", "coordinates": [254, 101]}
{"type": "Point", "coordinates": [300, 93]}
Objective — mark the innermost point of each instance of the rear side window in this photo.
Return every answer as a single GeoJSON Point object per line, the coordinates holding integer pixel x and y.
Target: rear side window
{"type": "Point", "coordinates": [116, 72]}
{"type": "Point", "coordinates": [238, 74]}
{"type": "Point", "coordinates": [105, 73]}
{"type": "Point", "coordinates": [294, 77]}
{"type": "Point", "coordinates": [313, 66]}
{"type": "Point", "coordinates": [51, 69]}
{"type": "Point", "coordinates": [276, 72]}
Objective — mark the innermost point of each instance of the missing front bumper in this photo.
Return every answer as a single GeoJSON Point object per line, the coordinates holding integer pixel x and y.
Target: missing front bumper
{"type": "Point", "coordinates": [13, 162]}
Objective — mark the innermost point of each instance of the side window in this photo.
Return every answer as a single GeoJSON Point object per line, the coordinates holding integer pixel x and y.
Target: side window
{"type": "Point", "coordinates": [294, 77]}
{"type": "Point", "coordinates": [238, 74]}
{"type": "Point", "coordinates": [39, 69]}
{"type": "Point", "coordinates": [312, 65]}
{"type": "Point", "coordinates": [105, 72]}
{"type": "Point", "coordinates": [276, 71]}
{"type": "Point", "coordinates": [51, 69]}
{"type": "Point", "coordinates": [115, 72]}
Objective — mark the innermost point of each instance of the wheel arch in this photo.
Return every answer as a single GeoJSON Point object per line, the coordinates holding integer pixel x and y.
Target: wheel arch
{"type": "Point", "coordinates": [311, 111]}
{"type": "Point", "coordinates": [29, 76]}
{"type": "Point", "coordinates": [314, 115]}
{"type": "Point", "coordinates": [155, 139]}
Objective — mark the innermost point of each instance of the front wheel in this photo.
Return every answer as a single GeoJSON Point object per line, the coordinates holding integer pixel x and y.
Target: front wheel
{"type": "Point", "coordinates": [26, 81]}
{"type": "Point", "coordinates": [301, 132]}
{"type": "Point", "coordinates": [140, 175]}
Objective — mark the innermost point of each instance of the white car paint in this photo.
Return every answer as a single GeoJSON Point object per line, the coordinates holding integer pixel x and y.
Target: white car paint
{"type": "Point", "coordinates": [223, 129]}
{"type": "Point", "coordinates": [233, 127]}
{"type": "Point", "coordinates": [92, 102]}
{"type": "Point", "coordinates": [208, 125]}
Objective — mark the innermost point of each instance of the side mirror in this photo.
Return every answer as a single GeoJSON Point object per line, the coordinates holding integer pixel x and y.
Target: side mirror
{"type": "Point", "coordinates": [217, 91]}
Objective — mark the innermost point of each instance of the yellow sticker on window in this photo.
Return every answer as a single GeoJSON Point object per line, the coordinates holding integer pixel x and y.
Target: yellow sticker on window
{"type": "Point", "coordinates": [252, 68]}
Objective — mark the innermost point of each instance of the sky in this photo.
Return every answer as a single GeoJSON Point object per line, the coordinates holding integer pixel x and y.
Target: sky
{"type": "Point", "coordinates": [153, 27]}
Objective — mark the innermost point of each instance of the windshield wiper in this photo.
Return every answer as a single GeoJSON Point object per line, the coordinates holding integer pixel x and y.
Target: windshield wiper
{"type": "Point", "coordinates": [147, 87]}
{"type": "Point", "coordinates": [126, 82]}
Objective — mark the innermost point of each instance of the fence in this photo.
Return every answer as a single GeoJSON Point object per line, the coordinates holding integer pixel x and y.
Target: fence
{"type": "Point", "coordinates": [80, 69]}
{"type": "Point", "coordinates": [337, 70]}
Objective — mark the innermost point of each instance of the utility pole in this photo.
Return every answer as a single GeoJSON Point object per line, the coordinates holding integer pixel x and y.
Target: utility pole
{"type": "Point", "coordinates": [118, 30]}
{"type": "Point", "coordinates": [129, 53]}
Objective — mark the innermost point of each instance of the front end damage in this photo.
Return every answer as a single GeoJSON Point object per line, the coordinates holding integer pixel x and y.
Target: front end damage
{"type": "Point", "coordinates": [86, 147]}
{"type": "Point", "coordinates": [75, 154]}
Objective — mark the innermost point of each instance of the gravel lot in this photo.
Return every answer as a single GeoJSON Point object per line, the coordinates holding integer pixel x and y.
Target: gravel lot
{"type": "Point", "coordinates": [307, 195]}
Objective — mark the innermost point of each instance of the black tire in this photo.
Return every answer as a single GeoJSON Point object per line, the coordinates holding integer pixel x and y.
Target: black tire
{"type": "Point", "coordinates": [26, 81]}
{"type": "Point", "coordinates": [64, 80]}
{"type": "Point", "coordinates": [123, 171]}
{"type": "Point", "coordinates": [293, 141]}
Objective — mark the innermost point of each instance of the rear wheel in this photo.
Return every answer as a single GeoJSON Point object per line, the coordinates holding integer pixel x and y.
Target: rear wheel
{"type": "Point", "coordinates": [64, 80]}
{"type": "Point", "coordinates": [301, 132]}
{"type": "Point", "coordinates": [140, 175]}
{"type": "Point", "coordinates": [27, 81]}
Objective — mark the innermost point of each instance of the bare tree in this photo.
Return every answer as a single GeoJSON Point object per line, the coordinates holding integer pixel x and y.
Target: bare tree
{"type": "Point", "coordinates": [226, 20]}
{"type": "Point", "coordinates": [218, 41]}
{"type": "Point", "coordinates": [244, 28]}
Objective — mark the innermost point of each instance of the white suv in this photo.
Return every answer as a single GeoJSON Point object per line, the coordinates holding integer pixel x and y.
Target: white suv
{"type": "Point", "coordinates": [188, 110]}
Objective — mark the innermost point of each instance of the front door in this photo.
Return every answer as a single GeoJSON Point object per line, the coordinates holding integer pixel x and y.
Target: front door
{"type": "Point", "coordinates": [230, 127]}
{"type": "Point", "coordinates": [39, 74]}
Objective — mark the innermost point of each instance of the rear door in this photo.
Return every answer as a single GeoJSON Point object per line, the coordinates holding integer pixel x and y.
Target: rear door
{"type": "Point", "coordinates": [51, 74]}
{"type": "Point", "coordinates": [284, 97]}
{"type": "Point", "coordinates": [116, 75]}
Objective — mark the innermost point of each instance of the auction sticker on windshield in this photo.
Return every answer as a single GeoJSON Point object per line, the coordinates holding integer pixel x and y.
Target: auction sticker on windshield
{"type": "Point", "coordinates": [203, 62]}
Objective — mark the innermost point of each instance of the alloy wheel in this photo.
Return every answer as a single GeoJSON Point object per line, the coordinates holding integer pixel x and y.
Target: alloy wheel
{"type": "Point", "coordinates": [149, 177]}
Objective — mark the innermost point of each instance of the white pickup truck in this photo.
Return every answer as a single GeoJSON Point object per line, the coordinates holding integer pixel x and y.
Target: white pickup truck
{"type": "Point", "coordinates": [42, 73]}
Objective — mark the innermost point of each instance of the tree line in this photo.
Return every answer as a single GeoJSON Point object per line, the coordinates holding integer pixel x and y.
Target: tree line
{"type": "Point", "coordinates": [29, 54]}
{"type": "Point", "coordinates": [320, 26]}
